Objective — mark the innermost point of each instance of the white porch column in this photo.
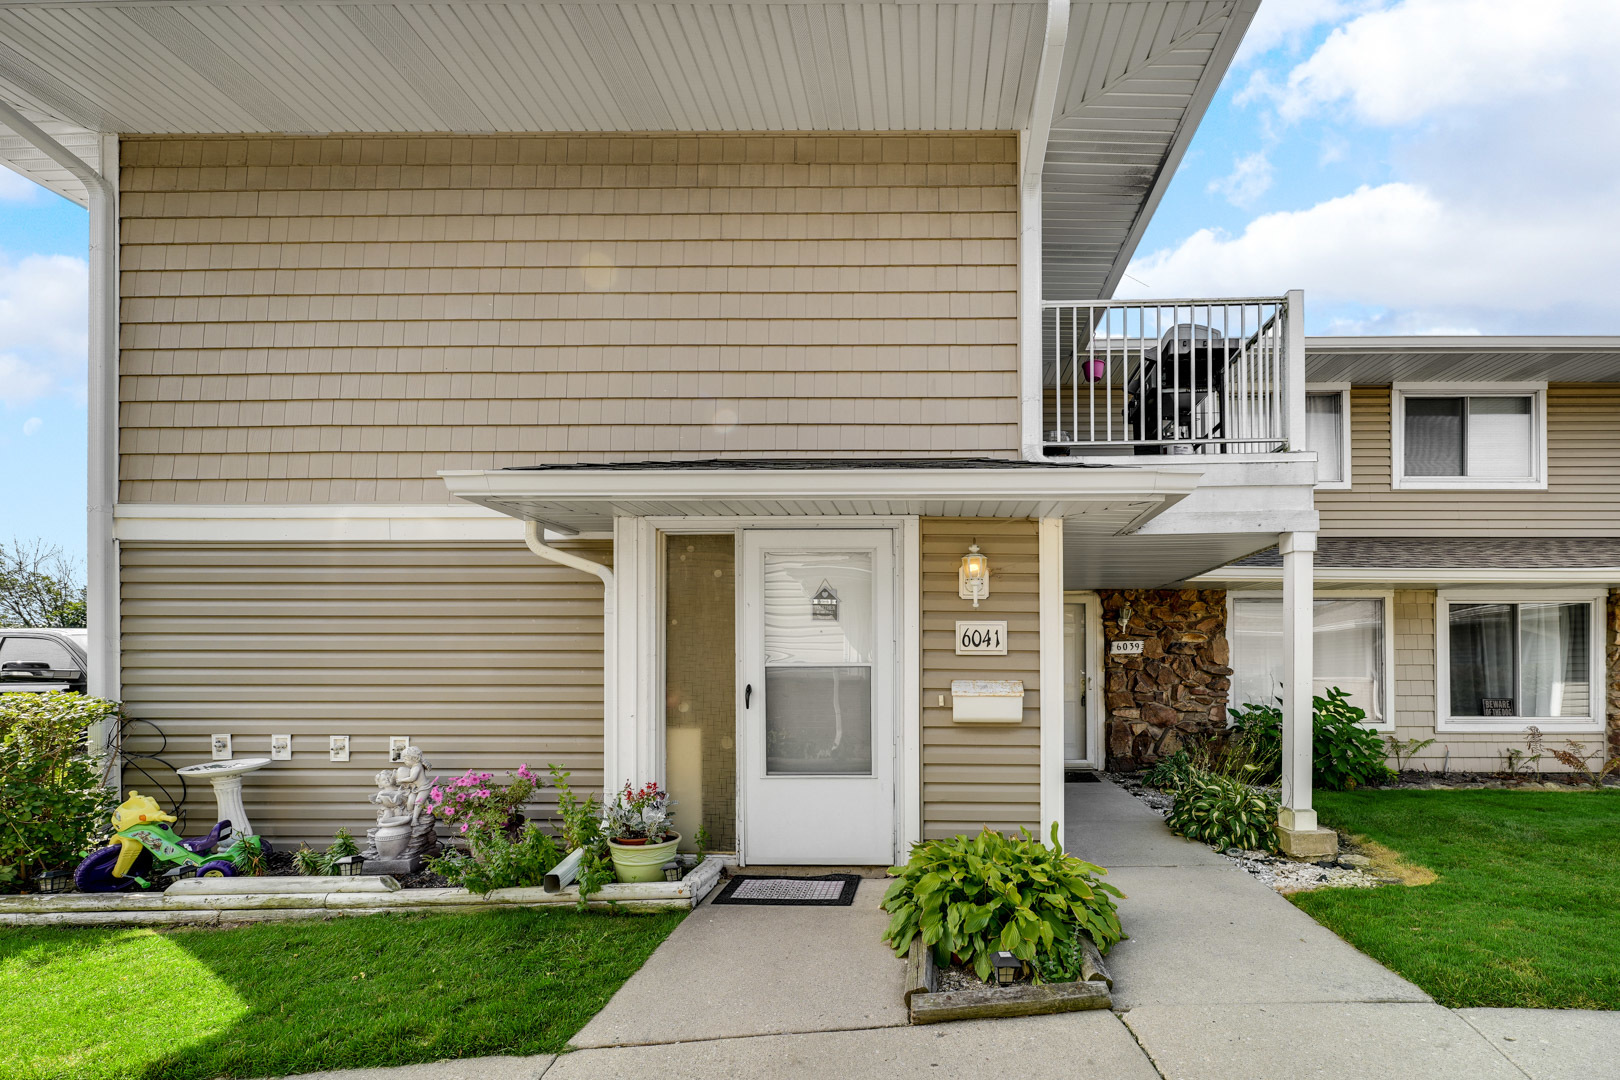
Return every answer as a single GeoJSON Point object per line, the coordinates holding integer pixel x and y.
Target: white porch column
{"type": "Point", "coordinates": [1051, 668]}
{"type": "Point", "coordinates": [1296, 826]}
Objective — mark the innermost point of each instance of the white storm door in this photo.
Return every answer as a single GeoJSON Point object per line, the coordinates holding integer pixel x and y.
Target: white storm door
{"type": "Point", "coordinates": [818, 698]}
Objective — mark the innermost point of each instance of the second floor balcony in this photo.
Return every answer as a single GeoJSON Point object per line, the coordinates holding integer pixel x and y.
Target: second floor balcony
{"type": "Point", "coordinates": [1173, 377]}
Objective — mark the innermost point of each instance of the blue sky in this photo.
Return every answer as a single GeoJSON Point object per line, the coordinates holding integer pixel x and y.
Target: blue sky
{"type": "Point", "coordinates": [1417, 166]}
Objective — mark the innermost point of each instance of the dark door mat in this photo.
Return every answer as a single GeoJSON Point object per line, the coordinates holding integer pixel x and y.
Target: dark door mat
{"type": "Point", "coordinates": [1080, 776]}
{"type": "Point", "coordinates": [828, 890]}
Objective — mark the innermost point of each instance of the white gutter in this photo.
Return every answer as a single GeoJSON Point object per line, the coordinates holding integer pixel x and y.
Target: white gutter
{"type": "Point", "coordinates": [610, 652]}
{"type": "Point", "coordinates": [101, 568]}
{"type": "Point", "coordinates": [1032, 152]}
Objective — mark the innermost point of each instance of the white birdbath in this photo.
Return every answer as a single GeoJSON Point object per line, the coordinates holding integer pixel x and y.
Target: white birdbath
{"type": "Point", "coordinates": [226, 776]}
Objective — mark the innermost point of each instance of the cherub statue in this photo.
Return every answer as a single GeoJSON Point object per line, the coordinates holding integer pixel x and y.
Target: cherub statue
{"type": "Point", "coordinates": [392, 801]}
{"type": "Point", "coordinates": [412, 779]}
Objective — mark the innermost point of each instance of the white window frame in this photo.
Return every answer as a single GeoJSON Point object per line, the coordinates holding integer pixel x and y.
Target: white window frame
{"type": "Point", "coordinates": [1343, 390]}
{"type": "Point", "coordinates": [1536, 391]}
{"type": "Point", "coordinates": [1597, 599]}
{"type": "Point", "coordinates": [1388, 608]}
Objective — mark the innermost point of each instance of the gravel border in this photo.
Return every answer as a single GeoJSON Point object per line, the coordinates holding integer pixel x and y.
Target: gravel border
{"type": "Point", "coordinates": [1347, 870]}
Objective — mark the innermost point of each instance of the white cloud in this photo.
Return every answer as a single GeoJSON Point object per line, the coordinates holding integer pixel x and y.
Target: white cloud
{"type": "Point", "coordinates": [1249, 179]}
{"type": "Point", "coordinates": [15, 187]}
{"type": "Point", "coordinates": [1416, 262]}
{"type": "Point", "coordinates": [32, 425]}
{"type": "Point", "coordinates": [1497, 190]}
{"type": "Point", "coordinates": [1421, 57]}
{"type": "Point", "coordinates": [1286, 23]}
{"type": "Point", "coordinates": [44, 310]}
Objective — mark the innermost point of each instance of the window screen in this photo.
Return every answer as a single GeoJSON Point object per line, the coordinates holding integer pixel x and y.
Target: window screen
{"type": "Point", "coordinates": [1434, 437]}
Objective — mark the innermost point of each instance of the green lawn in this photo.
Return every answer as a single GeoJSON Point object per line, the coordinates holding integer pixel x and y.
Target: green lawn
{"type": "Point", "coordinates": [1526, 910]}
{"type": "Point", "coordinates": [274, 998]}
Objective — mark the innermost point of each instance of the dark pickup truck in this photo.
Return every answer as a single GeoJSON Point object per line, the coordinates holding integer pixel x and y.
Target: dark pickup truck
{"type": "Point", "coordinates": [41, 659]}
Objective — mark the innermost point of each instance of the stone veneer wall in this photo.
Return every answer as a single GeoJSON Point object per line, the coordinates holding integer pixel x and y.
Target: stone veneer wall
{"type": "Point", "coordinates": [1178, 686]}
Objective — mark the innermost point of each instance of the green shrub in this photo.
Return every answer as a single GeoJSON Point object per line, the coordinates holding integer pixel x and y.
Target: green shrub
{"type": "Point", "coordinates": [52, 803]}
{"type": "Point", "coordinates": [1224, 812]}
{"type": "Point", "coordinates": [498, 862]}
{"type": "Point", "coordinates": [1170, 772]}
{"type": "Point", "coordinates": [970, 897]}
{"type": "Point", "coordinates": [1345, 754]}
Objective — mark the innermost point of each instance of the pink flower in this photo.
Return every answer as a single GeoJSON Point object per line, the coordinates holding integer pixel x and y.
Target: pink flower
{"type": "Point", "coordinates": [463, 827]}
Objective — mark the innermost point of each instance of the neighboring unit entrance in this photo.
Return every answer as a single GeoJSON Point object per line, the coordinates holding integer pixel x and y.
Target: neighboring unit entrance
{"type": "Point", "coordinates": [817, 716]}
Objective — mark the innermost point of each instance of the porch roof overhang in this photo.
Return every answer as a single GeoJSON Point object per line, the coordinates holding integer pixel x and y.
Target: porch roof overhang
{"type": "Point", "coordinates": [586, 499]}
{"type": "Point", "coordinates": [1133, 79]}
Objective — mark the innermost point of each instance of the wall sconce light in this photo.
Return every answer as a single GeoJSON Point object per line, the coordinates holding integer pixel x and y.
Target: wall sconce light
{"type": "Point", "coordinates": [973, 581]}
{"type": "Point", "coordinates": [1125, 614]}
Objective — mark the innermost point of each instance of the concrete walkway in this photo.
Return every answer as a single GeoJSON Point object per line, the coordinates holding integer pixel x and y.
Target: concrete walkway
{"type": "Point", "coordinates": [1221, 978]}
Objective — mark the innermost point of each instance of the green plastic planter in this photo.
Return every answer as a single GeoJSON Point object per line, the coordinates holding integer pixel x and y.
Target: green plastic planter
{"type": "Point", "coordinates": [642, 862]}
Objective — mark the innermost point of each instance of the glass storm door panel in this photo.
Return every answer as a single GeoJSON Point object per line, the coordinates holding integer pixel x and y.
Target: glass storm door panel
{"type": "Point", "coordinates": [818, 709]}
{"type": "Point", "coordinates": [1074, 683]}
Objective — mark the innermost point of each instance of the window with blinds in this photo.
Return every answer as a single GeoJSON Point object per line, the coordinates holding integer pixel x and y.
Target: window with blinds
{"type": "Point", "coordinates": [1489, 438]}
{"type": "Point", "coordinates": [1324, 433]}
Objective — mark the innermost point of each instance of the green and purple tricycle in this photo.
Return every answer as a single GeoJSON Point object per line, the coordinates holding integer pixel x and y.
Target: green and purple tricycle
{"type": "Point", "coordinates": [142, 837]}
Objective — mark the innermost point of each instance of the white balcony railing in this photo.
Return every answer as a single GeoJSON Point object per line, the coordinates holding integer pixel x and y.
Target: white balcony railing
{"type": "Point", "coordinates": [1170, 376]}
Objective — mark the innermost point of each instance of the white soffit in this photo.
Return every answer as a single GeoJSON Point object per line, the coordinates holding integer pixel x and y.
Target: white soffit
{"type": "Point", "coordinates": [21, 156]}
{"type": "Point", "coordinates": [1151, 561]}
{"type": "Point", "coordinates": [580, 500]}
{"type": "Point", "coordinates": [1136, 78]}
{"type": "Point", "coordinates": [1378, 361]}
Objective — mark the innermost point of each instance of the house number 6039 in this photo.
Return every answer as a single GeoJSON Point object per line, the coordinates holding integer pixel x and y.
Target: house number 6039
{"type": "Point", "coordinates": [981, 639]}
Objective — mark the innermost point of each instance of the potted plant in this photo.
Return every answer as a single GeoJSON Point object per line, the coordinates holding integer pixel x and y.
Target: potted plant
{"type": "Point", "coordinates": [640, 836]}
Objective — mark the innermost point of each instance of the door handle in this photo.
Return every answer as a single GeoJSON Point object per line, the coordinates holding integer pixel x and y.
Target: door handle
{"type": "Point", "coordinates": [748, 695]}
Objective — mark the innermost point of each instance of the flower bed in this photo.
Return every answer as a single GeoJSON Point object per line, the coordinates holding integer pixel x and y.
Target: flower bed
{"type": "Point", "coordinates": [229, 900]}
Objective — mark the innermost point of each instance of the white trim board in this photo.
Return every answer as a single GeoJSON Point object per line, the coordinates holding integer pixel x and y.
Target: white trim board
{"type": "Point", "coordinates": [1051, 667]}
{"type": "Point", "coordinates": [311, 523]}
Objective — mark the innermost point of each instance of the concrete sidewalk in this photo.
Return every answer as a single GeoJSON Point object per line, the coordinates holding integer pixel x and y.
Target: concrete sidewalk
{"type": "Point", "coordinates": [1222, 979]}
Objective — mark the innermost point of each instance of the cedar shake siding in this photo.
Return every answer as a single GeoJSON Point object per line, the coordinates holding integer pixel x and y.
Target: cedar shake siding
{"type": "Point", "coordinates": [1583, 478]}
{"type": "Point", "coordinates": [336, 319]}
{"type": "Point", "coordinates": [484, 655]}
{"type": "Point", "coordinates": [980, 774]}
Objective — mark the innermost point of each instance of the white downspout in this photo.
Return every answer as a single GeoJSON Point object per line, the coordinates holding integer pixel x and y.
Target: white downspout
{"type": "Point", "coordinates": [532, 536]}
{"type": "Point", "coordinates": [1032, 155]}
{"type": "Point", "coordinates": [101, 555]}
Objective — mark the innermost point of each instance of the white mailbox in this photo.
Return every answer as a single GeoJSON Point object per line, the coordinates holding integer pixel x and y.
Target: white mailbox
{"type": "Point", "coordinates": [987, 701]}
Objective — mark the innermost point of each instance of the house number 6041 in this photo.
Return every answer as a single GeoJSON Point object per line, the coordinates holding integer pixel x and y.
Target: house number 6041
{"type": "Point", "coordinates": [981, 639]}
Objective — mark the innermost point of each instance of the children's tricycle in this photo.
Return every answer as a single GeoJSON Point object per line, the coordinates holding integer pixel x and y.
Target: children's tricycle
{"type": "Point", "coordinates": [142, 833]}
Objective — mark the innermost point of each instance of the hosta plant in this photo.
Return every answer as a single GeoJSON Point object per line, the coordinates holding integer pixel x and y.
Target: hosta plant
{"type": "Point", "coordinates": [1224, 812]}
{"type": "Point", "coordinates": [1170, 772]}
{"type": "Point", "coordinates": [972, 896]}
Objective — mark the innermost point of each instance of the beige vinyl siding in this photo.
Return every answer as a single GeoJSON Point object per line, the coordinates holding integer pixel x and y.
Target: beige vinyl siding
{"type": "Point", "coordinates": [1416, 679]}
{"type": "Point", "coordinates": [1583, 478]}
{"type": "Point", "coordinates": [980, 774]}
{"type": "Point", "coordinates": [484, 655]}
{"type": "Point", "coordinates": [336, 319]}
